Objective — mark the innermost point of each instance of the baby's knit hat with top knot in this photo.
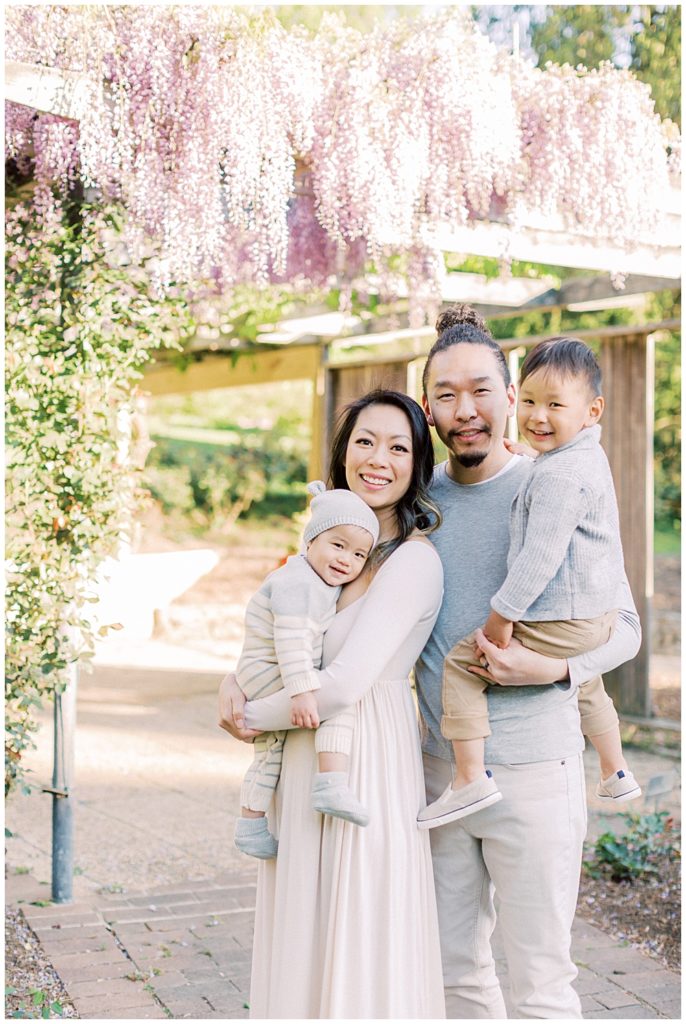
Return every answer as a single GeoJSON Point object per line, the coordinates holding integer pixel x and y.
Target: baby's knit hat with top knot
{"type": "Point", "coordinates": [337, 508]}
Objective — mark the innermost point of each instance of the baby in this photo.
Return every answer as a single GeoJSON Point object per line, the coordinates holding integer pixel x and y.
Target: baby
{"type": "Point", "coordinates": [565, 564]}
{"type": "Point", "coordinates": [285, 622]}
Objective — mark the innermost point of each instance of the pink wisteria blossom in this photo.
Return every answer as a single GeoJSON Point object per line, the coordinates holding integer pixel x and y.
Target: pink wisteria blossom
{"type": "Point", "coordinates": [253, 153]}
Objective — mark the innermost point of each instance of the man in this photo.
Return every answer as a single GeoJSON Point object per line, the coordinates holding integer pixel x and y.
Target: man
{"type": "Point", "coordinates": [528, 846]}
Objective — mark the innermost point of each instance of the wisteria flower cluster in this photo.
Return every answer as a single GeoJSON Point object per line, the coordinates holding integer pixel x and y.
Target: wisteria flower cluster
{"type": "Point", "coordinates": [249, 152]}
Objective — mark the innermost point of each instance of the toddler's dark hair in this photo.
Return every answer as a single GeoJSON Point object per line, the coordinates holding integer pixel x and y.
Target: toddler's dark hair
{"type": "Point", "coordinates": [567, 356]}
{"type": "Point", "coordinates": [462, 325]}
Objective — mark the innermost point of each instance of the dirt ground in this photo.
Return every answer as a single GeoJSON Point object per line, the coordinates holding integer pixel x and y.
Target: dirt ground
{"type": "Point", "coordinates": [645, 911]}
{"type": "Point", "coordinates": [31, 983]}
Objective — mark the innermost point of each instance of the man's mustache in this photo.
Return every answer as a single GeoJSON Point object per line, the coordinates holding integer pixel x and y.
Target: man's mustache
{"type": "Point", "coordinates": [477, 426]}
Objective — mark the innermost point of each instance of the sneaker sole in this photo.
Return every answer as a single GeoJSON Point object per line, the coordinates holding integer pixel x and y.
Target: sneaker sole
{"type": "Point", "coordinates": [257, 856]}
{"type": "Point", "coordinates": [631, 795]}
{"type": "Point", "coordinates": [461, 812]}
{"type": "Point", "coordinates": [362, 822]}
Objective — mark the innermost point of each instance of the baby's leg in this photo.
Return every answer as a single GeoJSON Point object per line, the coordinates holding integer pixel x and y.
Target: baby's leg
{"type": "Point", "coordinates": [252, 834]}
{"type": "Point", "coordinates": [331, 792]}
{"type": "Point", "coordinates": [599, 722]}
{"type": "Point", "coordinates": [329, 762]}
{"type": "Point", "coordinates": [333, 741]}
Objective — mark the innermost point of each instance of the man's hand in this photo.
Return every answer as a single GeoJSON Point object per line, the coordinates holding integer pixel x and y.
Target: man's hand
{"type": "Point", "coordinates": [517, 665]}
{"type": "Point", "coordinates": [231, 705]}
{"type": "Point", "coordinates": [498, 630]}
{"type": "Point", "coordinates": [304, 710]}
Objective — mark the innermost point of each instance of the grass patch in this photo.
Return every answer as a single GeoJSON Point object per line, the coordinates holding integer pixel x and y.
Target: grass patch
{"type": "Point", "coordinates": [667, 541]}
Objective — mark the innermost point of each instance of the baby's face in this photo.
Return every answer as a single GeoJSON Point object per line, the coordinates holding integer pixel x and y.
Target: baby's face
{"type": "Point", "coordinates": [552, 409]}
{"type": "Point", "coordinates": [339, 555]}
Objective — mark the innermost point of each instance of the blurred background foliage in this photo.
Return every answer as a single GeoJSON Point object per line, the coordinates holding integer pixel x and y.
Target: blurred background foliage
{"type": "Point", "coordinates": [644, 38]}
{"type": "Point", "coordinates": [229, 453]}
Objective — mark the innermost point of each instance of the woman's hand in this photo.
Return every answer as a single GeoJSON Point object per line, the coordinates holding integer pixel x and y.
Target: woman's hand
{"type": "Point", "coordinates": [517, 448]}
{"type": "Point", "coordinates": [516, 665]}
{"type": "Point", "coordinates": [231, 704]}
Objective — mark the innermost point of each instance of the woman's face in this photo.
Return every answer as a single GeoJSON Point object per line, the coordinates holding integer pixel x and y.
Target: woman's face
{"type": "Point", "coordinates": [379, 457]}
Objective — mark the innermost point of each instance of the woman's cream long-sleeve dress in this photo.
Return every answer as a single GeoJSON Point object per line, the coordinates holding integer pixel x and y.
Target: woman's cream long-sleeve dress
{"type": "Point", "coordinates": [346, 922]}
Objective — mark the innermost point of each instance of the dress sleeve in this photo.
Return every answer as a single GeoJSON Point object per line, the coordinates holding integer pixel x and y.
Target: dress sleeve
{"type": "Point", "coordinates": [406, 591]}
{"type": "Point", "coordinates": [622, 646]}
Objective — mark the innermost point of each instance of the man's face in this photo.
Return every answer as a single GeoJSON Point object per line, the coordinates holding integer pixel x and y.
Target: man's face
{"type": "Point", "coordinates": [468, 403]}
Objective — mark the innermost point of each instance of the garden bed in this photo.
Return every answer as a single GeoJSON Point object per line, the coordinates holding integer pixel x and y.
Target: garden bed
{"type": "Point", "coordinates": [631, 887]}
{"type": "Point", "coordinates": [33, 988]}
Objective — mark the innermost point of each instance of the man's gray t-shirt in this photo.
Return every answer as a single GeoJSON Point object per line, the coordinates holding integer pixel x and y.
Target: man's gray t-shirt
{"type": "Point", "coordinates": [528, 723]}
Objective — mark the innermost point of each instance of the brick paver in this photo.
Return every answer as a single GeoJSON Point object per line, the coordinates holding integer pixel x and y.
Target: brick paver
{"type": "Point", "coordinates": [157, 931]}
{"type": "Point", "coordinates": [185, 954]}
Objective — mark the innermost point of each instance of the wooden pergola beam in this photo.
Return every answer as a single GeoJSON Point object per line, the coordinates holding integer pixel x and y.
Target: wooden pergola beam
{"type": "Point", "coordinates": [558, 246]}
{"type": "Point", "coordinates": [538, 238]}
{"type": "Point", "coordinates": [236, 370]}
{"type": "Point", "coordinates": [48, 90]}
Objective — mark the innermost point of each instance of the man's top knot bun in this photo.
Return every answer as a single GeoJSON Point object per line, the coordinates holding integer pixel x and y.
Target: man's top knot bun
{"type": "Point", "coordinates": [460, 314]}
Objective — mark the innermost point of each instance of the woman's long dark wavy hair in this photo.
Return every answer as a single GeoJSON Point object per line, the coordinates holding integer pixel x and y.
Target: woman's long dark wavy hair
{"type": "Point", "coordinates": [415, 510]}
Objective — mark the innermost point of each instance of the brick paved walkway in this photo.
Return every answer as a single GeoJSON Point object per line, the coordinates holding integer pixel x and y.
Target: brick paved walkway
{"type": "Point", "coordinates": [156, 790]}
{"type": "Point", "coordinates": [184, 952]}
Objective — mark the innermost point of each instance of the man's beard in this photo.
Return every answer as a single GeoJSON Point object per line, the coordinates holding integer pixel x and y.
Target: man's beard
{"type": "Point", "coordinates": [470, 459]}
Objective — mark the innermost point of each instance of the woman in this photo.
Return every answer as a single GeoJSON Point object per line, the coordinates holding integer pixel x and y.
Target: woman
{"type": "Point", "coordinates": [346, 922]}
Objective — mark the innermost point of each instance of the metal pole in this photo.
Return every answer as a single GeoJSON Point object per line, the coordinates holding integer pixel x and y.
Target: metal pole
{"type": "Point", "coordinates": [62, 800]}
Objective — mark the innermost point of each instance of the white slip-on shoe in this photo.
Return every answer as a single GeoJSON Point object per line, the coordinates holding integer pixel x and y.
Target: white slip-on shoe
{"type": "Point", "coordinates": [458, 803]}
{"type": "Point", "coordinates": [620, 787]}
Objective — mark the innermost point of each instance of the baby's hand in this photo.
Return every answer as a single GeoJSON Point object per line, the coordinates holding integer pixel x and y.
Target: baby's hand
{"type": "Point", "coordinates": [517, 448]}
{"type": "Point", "coordinates": [498, 630]}
{"type": "Point", "coordinates": [305, 712]}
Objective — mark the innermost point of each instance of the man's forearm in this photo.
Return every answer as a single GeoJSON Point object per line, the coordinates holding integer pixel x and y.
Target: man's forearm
{"type": "Point", "coordinates": [623, 645]}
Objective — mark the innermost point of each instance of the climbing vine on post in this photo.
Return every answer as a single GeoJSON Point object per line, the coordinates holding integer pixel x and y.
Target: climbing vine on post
{"type": "Point", "coordinates": [80, 323]}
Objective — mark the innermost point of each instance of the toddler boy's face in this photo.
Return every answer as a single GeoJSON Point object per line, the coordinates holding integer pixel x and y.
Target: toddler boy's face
{"type": "Point", "coordinates": [339, 555]}
{"type": "Point", "coordinates": [552, 409]}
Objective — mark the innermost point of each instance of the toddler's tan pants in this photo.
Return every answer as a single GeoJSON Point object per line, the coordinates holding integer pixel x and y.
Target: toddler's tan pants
{"type": "Point", "coordinates": [465, 707]}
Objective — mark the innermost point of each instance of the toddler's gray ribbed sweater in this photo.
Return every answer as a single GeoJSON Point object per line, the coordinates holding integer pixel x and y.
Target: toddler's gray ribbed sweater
{"type": "Point", "coordinates": [565, 558]}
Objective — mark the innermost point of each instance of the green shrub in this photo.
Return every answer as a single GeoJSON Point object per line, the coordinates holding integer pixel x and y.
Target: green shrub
{"type": "Point", "coordinates": [217, 483]}
{"type": "Point", "coordinates": [647, 839]}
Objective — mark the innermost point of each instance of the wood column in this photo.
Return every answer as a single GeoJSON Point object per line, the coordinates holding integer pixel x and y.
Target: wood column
{"type": "Point", "coordinates": [627, 363]}
{"type": "Point", "coordinates": [316, 469]}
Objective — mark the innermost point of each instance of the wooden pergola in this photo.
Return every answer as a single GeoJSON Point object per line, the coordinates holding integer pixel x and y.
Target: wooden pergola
{"type": "Point", "coordinates": [341, 369]}
{"type": "Point", "coordinates": [343, 358]}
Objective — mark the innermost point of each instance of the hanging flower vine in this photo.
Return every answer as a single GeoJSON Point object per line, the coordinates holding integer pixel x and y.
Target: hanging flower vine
{"type": "Point", "coordinates": [196, 116]}
{"type": "Point", "coordinates": [80, 324]}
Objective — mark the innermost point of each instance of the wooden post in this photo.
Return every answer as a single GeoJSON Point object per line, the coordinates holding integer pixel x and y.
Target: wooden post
{"type": "Point", "coordinates": [627, 363]}
{"type": "Point", "coordinates": [318, 457]}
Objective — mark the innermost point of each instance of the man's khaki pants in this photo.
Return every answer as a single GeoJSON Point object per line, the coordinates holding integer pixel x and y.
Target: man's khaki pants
{"type": "Point", "coordinates": [528, 848]}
